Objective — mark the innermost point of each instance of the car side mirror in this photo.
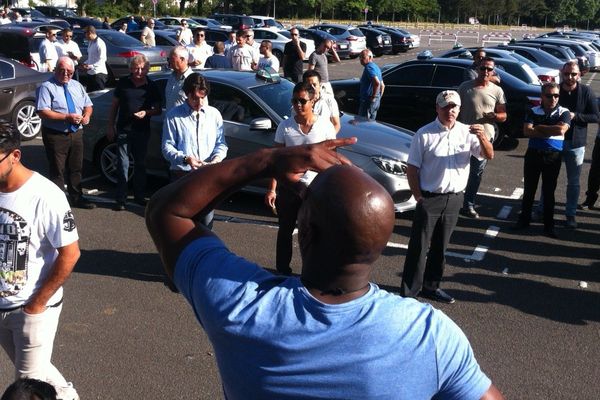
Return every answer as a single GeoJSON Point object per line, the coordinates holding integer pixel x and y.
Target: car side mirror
{"type": "Point", "coordinates": [261, 124]}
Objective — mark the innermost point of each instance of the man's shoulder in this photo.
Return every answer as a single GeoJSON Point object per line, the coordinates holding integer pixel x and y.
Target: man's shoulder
{"type": "Point", "coordinates": [431, 127]}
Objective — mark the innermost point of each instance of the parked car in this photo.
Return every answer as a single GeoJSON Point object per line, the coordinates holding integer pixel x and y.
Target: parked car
{"type": "Point", "coordinates": [22, 41]}
{"type": "Point", "coordinates": [562, 53]}
{"type": "Point", "coordinates": [165, 39]}
{"type": "Point", "coordinates": [378, 42]}
{"type": "Point", "coordinates": [175, 22]}
{"type": "Point", "coordinates": [116, 25]}
{"type": "Point", "coordinates": [401, 42]}
{"type": "Point", "coordinates": [538, 56]}
{"type": "Point", "coordinates": [237, 22]}
{"type": "Point", "coordinates": [261, 21]}
{"type": "Point", "coordinates": [83, 22]}
{"type": "Point", "coordinates": [211, 23]}
{"type": "Point", "coordinates": [342, 47]}
{"type": "Point", "coordinates": [415, 39]}
{"type": "Point", "coordinates": [17, 97]}
{"type": "Point", "coordinates": [279, 39]}
{"type": "Point", "coordinates": [252, 108]}
{"type": "Point", "coordinates": [577, 50]}
{"type": "Point", "coordinates": [543, 74]}
{"type": "Point", "coordinates": [411, 89]}
{"type": "Point", "coordinates": [352, 34]}
{"type": "Point", "coordinates": [32, 15]}
{"type": "Point", "coordinates": [121, 48]}
{"type": "Point", "coordinates": [56, 12]}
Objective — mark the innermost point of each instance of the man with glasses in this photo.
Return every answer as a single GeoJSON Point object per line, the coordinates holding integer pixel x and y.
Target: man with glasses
{"type": "Point", "coordinates": [184, 34]}
{"type": "Point", "coordinates": [148, 37]}
{"type": "Point", "coordinates": [293, 57]}
{"type": "Point", "coordinates": [483, 102]}
{"type": "Point", "coordinates": [199, 50]}
{"type": "Point", "coordinates": [581, 101]}
{"type": "Point", "coordinates": [64, 107]}
{"type": "Point", "coordinates": [473, 71]}
{"type": "Point", "coordinates": [545, 126]}
{"type": "Point", "coordinates": [66, 46]}
{"type": "Point", "coordinates": [48, 52]}
{"type": "Point", "coordinates": [40, 242]}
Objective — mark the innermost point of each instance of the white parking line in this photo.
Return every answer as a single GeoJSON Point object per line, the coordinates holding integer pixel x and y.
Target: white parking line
{"type": "Point", "coordinates": [591, 78]}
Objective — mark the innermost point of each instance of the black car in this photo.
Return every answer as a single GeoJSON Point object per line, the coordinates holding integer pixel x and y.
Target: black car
{"type": "Point", "coordinates": [236, 21]}
{"type": "Point", "coordinates": [341, 46]}
{"type": "Point", "coordinates": [138, 20]}
{"type": "Point", "coordinates": [32, 15]}
{"type": "Point", "coordinates": [378, 42]}
{"type": "Point", "coordinates": [411, 89]}
{"type": "Point", "coordinates": [83, 22]}
{"type": "Point", "coordinates": [401, 42]}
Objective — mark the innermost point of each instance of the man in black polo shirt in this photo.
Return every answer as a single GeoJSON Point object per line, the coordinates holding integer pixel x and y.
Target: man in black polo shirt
{"type": "Point", "coordinates": [136, 99]}
{"type": "Point", "coordinates": [293, 56]}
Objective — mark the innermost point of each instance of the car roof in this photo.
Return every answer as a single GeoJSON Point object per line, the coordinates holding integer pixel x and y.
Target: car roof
{"type": "Point", "coordinates": [244, 79]}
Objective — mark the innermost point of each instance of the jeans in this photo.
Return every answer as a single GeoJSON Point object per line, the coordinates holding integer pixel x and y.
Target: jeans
{"type": "Point", "coordinates": [475, 173]}
{"type": "Point", "coordinates": [368, 108]}
{"type": "Point", "coordinates": [547, 164]}
{"type": "Point", "coordinates": [64, 152]}
{"type": "Point", "coordinates": [573, 162]}
{"type": "Point", "coordinates": [288, 204]}
{"type": "Point", "coordinates": [137, 144]}
{"type": "Point", "coordinates": [28, 341]}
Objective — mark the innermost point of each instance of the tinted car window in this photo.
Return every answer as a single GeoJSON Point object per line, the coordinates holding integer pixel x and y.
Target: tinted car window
{"type": "Point", "coordinates": [233, 104]}
{"type": "Point", "coordinates": [6, 70]}
{"type": "Point", "coordinates": [356, 32]}
{"type": "Point", "coordinates": [161, 41]}
{"type": "Point", "coordinates": [277, 96]}
{"type": "Point", "coordinates": [212, 37]}
{"type": "Point", "coordinates": [412, 75]}
{"type": "Point", "coordinates": [447, 76]}
{"type": "Point", "coordinates": [120, 40]}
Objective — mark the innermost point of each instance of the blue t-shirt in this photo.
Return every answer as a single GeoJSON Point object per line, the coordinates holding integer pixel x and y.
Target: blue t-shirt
{"type": "Point", "coordinates": [366, 80]}
{"type": "Point", "coordinates": [273, 340]}
{"type": "Point", "coordinates": [537, 116]}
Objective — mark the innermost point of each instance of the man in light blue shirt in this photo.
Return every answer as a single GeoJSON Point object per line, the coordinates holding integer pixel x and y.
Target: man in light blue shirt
{"type": "Point", "coordinates": [193, 133]}
{"type": "Point", "coordinates": [178, 60]}
{"type": "Point", "coordinates": [330, 333]}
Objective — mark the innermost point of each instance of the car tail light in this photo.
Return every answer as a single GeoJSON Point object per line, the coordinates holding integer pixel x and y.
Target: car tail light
{"type": "Point", "coordinates": [534, 101]}
{"type": "Point", "coordinates": [128, 54]}
{"type": "Point", "coordinates": [546, 78]}
{"type": "Point", "coordinates": [379, 39]}
{"type": "Point", "coordinates": [163, 53]}
{"type": "Point", "coordinates": [352, 38]}
{"type": "Point", "coordinates": [403, 40]}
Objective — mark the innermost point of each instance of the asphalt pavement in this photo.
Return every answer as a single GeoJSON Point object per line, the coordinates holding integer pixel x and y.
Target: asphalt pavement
{"type": "Point", "coordinates": [534, 329]}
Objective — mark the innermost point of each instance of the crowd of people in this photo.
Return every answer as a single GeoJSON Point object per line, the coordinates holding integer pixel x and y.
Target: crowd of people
{"type": "Point", "coordinates": [269, 330]}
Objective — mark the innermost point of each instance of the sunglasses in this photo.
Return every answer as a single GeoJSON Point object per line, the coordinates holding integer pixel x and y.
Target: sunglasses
{"type": "Point", "coordinates": [552, 96]}
{"type": "Point", "coordinates": [570, 73]}
{"type": "Point", "coordinates": [489, 69]}
{"type": "Point", "coordinates": [299, 101]}
{"type": "Point", "coordinates": [5, 157]}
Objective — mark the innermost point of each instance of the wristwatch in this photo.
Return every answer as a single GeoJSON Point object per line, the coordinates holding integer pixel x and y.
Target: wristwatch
{"type": "Point", "coordinates": [185, 160]}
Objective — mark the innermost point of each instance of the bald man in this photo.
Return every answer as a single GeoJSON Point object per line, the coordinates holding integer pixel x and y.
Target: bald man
{"type": "Point", "coordinates": [330, 333]}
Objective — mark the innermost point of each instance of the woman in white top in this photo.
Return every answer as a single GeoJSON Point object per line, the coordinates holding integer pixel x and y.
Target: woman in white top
{"type": "Point", "coordinates": [304, 127]}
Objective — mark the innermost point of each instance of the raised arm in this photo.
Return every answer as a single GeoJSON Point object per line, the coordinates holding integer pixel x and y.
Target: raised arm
{"type": "Point", "coordinates": [170, 212]}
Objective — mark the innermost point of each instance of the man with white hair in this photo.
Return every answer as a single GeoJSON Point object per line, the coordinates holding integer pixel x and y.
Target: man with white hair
{"type": "Point", "coordinates": [438, 169]}
{"type": "Point", "coordinates": [178, 60]}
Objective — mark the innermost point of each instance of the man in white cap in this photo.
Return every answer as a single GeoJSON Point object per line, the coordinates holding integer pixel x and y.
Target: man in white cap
{"type": "Point", "coordinates": [438, 169]}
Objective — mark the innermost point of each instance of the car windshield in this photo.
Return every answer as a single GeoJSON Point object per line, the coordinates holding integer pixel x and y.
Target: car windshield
{"type": "Point", "coordinates": [37, 14]}
{"type": "Point", "coordinates": [277, 96]}
{"type": "Point", "coordinates": [120, 40]}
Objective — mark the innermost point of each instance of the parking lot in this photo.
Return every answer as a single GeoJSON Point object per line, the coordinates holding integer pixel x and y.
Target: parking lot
{"type": "Point", "coordinates": [520, 299]}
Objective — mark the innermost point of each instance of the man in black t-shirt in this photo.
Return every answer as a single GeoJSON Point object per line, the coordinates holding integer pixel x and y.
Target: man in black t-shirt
{"type": "Point", "coordinates": [293, 56]}
{"type": "Point", "coordinates": [136, 100]}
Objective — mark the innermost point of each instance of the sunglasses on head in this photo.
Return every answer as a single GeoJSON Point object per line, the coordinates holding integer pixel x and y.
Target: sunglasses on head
{"type": "Point", "coordinates": [299, 101]}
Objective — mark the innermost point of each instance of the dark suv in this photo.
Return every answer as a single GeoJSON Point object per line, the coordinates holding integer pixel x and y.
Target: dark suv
{"type": "Point", "coordinates": [21, 42]}
{"type": "Point", "coordinates": [411, 89]}
{"type": "Point", "coordinates": [236, 22]}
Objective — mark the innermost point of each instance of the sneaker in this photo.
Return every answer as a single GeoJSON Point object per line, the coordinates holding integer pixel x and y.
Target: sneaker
{"type": "Point", "coordinates": [469, 212]}
{"type": "Point", "coordinates": [570, 222]}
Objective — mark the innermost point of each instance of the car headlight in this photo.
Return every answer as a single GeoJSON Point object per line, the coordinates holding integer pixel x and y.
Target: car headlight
{"type": "Point", "coordinates": [390, 165]}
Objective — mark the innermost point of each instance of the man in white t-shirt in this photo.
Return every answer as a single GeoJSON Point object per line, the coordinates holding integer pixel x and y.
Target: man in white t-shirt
{"type": "Point", "coordinates": [325, 104]}
{"type": "Point", "coordinates": [148, 37]}
{"type": "Point", "coordinates": [184, 34]}
{"type": "Point", "coordinates": [199, 50]}
{"type": "Point", "coordinates": [242, 55]}
{"type": "Point", "coordinates": [48, 53]}
{"type": "Point", "coordinates": [267, 59]}
{"type": "Point", "coordinates": [40, 246]}
{"type": "Point", "coordinates": [69, 48]}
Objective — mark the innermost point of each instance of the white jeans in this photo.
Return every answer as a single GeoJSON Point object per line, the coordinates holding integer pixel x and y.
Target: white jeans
{"type": "Point", "coordinates": [28, 340]}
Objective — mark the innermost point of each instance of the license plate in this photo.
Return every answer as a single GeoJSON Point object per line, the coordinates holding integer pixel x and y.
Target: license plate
{"type": "Point", "coordinates": [155, 68]}
{"type": "Point", "coordinates": [386, 42]}
{"type": "Point", "coordinates": [343, 46]}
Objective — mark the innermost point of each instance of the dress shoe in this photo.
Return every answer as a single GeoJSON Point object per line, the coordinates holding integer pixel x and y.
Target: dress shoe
{"type": "Point", "coordinates": [519, 226]}
{"type": "Point", "coordinates": [437, 295]}
{"type": "Point", "coordinates": [469, 212]}
{"type": "Point", "coordinates": [119, 206]}
{"type": "Point", "coordinates": [84, 203]}
{"type": "Point", "coordinates": [570, 222]}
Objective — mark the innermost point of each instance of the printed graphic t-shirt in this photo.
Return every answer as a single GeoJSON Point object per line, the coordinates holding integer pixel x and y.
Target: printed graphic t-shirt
{"type": "Point", "coordinates": [35, 220]}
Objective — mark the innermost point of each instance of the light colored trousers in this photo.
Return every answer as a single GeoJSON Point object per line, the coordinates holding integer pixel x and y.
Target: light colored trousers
{"type": "Point", "coordinates": [28, 340]}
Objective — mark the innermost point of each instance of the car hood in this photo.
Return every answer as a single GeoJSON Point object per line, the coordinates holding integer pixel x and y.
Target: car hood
{"type": "Point", "coordinates": [375, 138]}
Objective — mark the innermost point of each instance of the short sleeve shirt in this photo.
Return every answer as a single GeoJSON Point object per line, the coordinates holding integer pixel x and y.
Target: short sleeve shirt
{"type": "Point", "coordinates": [320, 63]}
{"type": "Point", "coordinates": [133, 99]}
{"type": "Point", "coordinates": [293, 64]}
{"type": "Point", "coordinates": [477, 101]}
{"type": "Point", "coordinates": [366, 80]}
{"type": "Point", "coordinates": [537, 116]}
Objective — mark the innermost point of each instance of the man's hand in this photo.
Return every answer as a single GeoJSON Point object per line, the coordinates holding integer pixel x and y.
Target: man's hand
{"type": "Point", "coordinates": [194, 162]}
{"type": "Point", "coordinates": [140, 114]}
{"type": "Point", "coordinates": [33, 308]}
{"type": "Point", "coordinates": [74, 118]}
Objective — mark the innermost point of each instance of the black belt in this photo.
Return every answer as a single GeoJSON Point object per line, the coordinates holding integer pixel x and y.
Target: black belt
{"type": "Point", "coordinates": [58, 303]}
{"type": "Point", "coordinates": [51, 131]}
{"type": "Point", "coordinates": [425, 193]}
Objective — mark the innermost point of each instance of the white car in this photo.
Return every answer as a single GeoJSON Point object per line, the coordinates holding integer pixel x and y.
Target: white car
{"type": "Point", "coordinates": [279, 39]}
{"type": "Point", "coordinates": [261, 21]}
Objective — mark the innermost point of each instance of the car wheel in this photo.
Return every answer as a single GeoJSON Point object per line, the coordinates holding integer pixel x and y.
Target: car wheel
{"type": "Point", "coordinates": [277, 53]}
{"type": "Point", "coordinates": [27, 120]}
{"type": "Point", "coordinates": [107, 162]}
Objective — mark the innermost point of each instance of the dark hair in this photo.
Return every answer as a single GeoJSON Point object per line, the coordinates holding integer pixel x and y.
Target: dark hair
{"type": "Point", "coordinates": [304, 87]}
{"type": "Point", "coordinates": [67, 30]}
{"type": "Point", "coordinates": [90, 29]}
{"type": "Point", "coordinates": [26, 388]}
{"type": "Point", "coordinates": [549, 85]}
{"type": "Point", "coordinates": [198, 30]}
{"type": "Point", "coordinates": [310, 73]}
{"type": "Point", "coordinates": [488, 59]}
{"type": "Point", "coordinates": [10, 139]}
{"type": "Point", "coordinates": [195, 82]}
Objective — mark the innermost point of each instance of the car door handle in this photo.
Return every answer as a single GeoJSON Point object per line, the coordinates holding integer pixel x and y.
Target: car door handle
{"type": "Point", "coordinates": [9, 91]}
